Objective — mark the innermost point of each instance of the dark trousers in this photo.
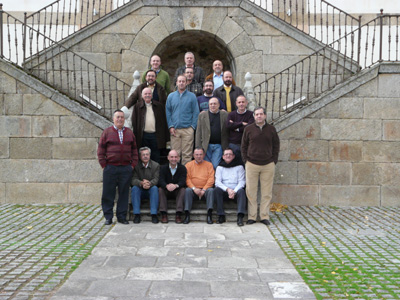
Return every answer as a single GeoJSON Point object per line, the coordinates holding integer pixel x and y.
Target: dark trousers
{"type": "Point", "coordinates": [113, 177]}
{"type": "Point", "coordinates": [221, 196]}
{"type": "Point", "coordinates": [150, 140]}
{"type": "Point", "coordinates": [178, 194]}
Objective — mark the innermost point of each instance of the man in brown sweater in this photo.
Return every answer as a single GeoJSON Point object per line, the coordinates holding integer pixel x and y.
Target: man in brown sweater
{"type": "Point", "coordinates": [117, 154]}
{"type": "Point", "coordinates": [260, 150]}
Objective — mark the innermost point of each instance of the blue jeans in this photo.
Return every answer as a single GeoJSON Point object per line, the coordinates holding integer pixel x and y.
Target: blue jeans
{"type": "Point", "coordinates": [139, 193]}
{"type": "Point", "coordinates": [214, 154]}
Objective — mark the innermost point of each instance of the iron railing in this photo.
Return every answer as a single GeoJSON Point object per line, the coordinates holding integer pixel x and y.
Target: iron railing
{"type": "Point", "coordinates": [62, 18]}
{"type": "Point", "coordinates": [299, 84]}
{"type": "Point", "coordinates": [61, 68]}
{"type": "Point", "coordinates": [318, 18]}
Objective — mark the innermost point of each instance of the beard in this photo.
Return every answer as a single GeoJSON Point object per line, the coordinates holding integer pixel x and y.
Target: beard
{"type": "Point", "coordinates": [228, 82]}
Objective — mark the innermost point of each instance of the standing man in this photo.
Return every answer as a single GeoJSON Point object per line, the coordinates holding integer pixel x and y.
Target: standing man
{"type": "Point", "coordinates": [144, 185]}
{"type": "Point", "coordinates": [228, 92]}
{"type": "Point", "coordinates": [182, 111]}
{"type": "Point", "coordinates": [229, 184]}
{"type": "Point", "coordinates": [189, 62]}
{"type": "Point", "coordinates": [162, 76]}
{"type": "Point", "coordinates": [211, 133]}
{"type": "Point", "coordinates": [150, 124]}
{"type": "Point", "coordinates": [192, 85]}
{"type": "Point", "coordinates": [158, 92]}
{"type": "Point", "coordinates": [216, 77]}
{"type": "Point", "coordinates": [172, 183]}
{"type": "Point", "coordinates": [238, 120]}
{"type": "Point", "coordinates": [117, 154]}
{"type": "Point", "coordinates": [260, 150]}
{"type": "Point", "coordinates": [199, 181]}
{"type": "Point", "coordinates": [208, 89]}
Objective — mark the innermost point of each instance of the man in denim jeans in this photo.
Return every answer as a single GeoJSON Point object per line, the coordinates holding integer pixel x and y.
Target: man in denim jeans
{"type": "Point", "coordinates": [144, 185]}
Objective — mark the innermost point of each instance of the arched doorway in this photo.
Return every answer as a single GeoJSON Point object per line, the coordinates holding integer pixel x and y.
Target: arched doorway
{"type": "Point", "coordinates": [205, 46]}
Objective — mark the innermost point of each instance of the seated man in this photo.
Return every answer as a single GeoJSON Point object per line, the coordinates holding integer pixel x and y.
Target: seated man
{"type": "Point", "coordinates": [230, 180]}
{"type": "Point", "coordinates": [199, 181]}
{"type": "Point", "coordinates": [172, 183]}
{"type": "Point", "coordinates": [144, 182]}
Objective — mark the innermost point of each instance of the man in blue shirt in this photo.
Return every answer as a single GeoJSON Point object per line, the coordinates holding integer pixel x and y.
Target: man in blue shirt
{"type": "Point", "coordinates": [182, 111]}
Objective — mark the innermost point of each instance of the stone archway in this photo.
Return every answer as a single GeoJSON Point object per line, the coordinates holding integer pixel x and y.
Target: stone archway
{"type": "Point", "coordinates": [205, 46]}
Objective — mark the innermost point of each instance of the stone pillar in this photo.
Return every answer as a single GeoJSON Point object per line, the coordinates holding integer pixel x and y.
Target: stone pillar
{"type": "Point", "coordinates": [128, 112]}
{"type": "Point", "coordinates": [249, 92]}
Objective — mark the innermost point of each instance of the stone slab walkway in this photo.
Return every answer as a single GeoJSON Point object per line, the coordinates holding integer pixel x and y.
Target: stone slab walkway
{"type": "Point", "coordinates": [195, 261]}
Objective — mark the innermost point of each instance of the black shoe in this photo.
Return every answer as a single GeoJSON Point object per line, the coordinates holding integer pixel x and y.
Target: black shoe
{"type": "Point", "coordinates": [240, 220]}
{"type": "Point", "coordinates": [123, 221]}
{"type": "Point", "coordinates": [265, 222]}
{"type": "Point", "coordinates": [136, 219]}
{"type": "Point", "coordinates": [187, 218]}
{"type": "Point", "coordinates": [108, 222]}
{"type": "Point", "coordinates": [221, 219]}
{"type": "Point", "coordinates": [249, 222]}
{"type": "Point", "coordinates": [154, 219]}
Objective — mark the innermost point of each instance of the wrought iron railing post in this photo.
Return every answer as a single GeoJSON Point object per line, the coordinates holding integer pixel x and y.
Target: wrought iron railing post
{"type": "Point", "coordinates": [24, 40]}
{"type": "Point", "coordinates": [359, 40]}
{"type": "Point", "coordinates": [1, 30]}
{"type": "Point", "coordinates": [381, 35]}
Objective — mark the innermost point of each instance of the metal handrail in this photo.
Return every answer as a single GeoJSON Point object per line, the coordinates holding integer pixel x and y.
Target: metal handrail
{"type": "Point", "coordinates": [317, 18]}
{"type": "Point", "coordinates": [62, 18]}
{"type": "Point", "coordinates": [300, 83]}
{"type": "Point", "coordinates": [63, 69]}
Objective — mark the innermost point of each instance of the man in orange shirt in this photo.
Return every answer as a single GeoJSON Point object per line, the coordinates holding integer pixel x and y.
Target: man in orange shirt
{"type": "Point", "coordinates": [199, 182]}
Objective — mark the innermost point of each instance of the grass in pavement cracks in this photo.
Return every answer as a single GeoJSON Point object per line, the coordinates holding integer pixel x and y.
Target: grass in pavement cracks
{"type": "Point", "coordinates": [343, 253]}
{"type": "Point", "coordinates": [40, 245]}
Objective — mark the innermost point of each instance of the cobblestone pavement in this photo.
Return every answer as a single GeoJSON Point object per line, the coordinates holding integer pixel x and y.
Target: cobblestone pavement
{"type": "Point", "coordinates": [42, 244]}
{"type": "Point", "coordinates": [343, 253]}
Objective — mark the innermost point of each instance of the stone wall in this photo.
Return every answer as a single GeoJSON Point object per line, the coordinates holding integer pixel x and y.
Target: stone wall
{"type": "Point", "coordinates": [346, 153]}
{"type": "Point", "coordinates": [47, 153]}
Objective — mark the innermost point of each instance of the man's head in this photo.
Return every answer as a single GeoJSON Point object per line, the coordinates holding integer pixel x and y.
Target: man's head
{"type": "Point", "coordinates": [181, 83]}
{"type": "Point", "coordinates": [260, 115]}
{"type": "Point", "coordinates": [151, 77]}
{"type": "Point", "coordinates": [189, 59]}
{"type": "Point", "coordinates": [208, 87]}
{"type": "Point", "coordinates": [147, 95]}
{"type": "Point", "coordinates": [173, 157]}
{"type": "Point", "coordinates": [119, 118]}
{"type": "Point", "coordinates": [228, 155]}
{"type": "Point", "coordinates": [213, 105]}
{"type": "Point", "coordinates": [144, 154]}
{"type": "Point", "coordinates": [155, 62]}
{"type": "Point", "coordinates": [189, 74]}
{"type": "Point", "coordinates": [217, 67]}
{"type": "Point", "coordinates": [198, 154]}
{"type": "Point", "coordinates": [241, 103]}
{"type": "Point", "coordinates": [227, 78]}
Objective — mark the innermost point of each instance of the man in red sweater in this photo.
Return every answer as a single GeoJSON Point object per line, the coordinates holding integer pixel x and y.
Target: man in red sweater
{"type": "Point", "coordinates": [117, 154]}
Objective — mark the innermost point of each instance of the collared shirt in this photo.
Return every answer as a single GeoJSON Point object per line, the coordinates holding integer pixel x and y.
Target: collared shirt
{"type": "Point", "coordinates": [261, 127]}
{"type": "Point", "coordinates": [218, 81]}
{"type": "Point", "coordinates": [173, 170]}
{"type": "Point", "coordinates": [145, 165]}
{"type": "Point", "coordinates": [120, 133]}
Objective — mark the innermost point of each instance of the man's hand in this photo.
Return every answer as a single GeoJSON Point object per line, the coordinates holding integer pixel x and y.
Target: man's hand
{"type": "Point", "coordinates": [244, 123]}
{"type": "Point", "coordinates": [145, 184]}
{"type": "Point", "coordinates": [172, 131]}
{"type": "Point", "coordinates": [171, 187]}
{"type": "Point", "coordinates": [231, 193]}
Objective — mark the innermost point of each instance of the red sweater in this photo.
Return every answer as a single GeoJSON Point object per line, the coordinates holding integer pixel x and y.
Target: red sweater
{"type": "Point", "coordinates": [112, 152]}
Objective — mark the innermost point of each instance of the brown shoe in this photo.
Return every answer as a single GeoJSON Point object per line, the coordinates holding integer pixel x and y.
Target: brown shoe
{"type": "Point", "coordinates": [178, 219]}
{"type": "Point", "coordinates": [164, 218]}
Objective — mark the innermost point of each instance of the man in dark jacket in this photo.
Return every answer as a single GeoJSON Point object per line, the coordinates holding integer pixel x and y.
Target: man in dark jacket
{"type": "Point", "coordinates": [158, 92]}
{"type": "Point", "coordinates": [189, 62]}
{"type": "Point", "coordinates": [172, 183]}
{"type": "Point", "coordinates": [228, 92]}
{"type": "Point", "coordinates": [144, 185]}
{"type": "Point", "coordinates": [150, 124]}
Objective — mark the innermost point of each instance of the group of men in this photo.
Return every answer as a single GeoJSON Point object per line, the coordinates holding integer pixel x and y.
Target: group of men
{"type": "Point", "coordinates": [233, 148]}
